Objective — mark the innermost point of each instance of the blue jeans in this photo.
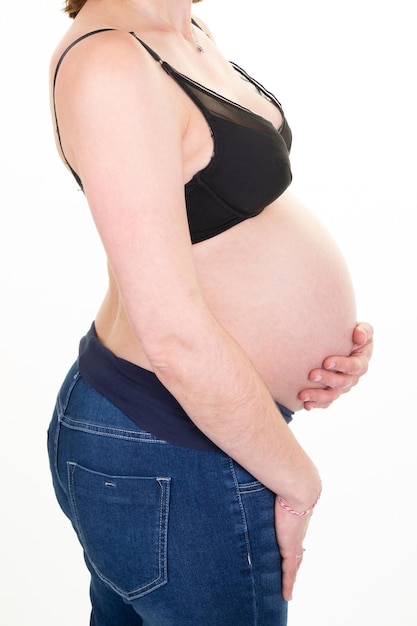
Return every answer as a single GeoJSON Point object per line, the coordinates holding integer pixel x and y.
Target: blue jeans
{"type": "Point", "coordinates": [172, 536]}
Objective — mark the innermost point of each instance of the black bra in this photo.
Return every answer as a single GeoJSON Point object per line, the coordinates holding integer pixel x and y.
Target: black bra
{"type": "Point", "coordinates": [250, 166]}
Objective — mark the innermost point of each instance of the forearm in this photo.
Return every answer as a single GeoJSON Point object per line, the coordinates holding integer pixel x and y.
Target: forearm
{"type": "Point", "coordinates": [220, 390]}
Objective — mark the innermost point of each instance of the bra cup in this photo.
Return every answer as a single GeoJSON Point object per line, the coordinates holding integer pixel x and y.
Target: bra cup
{"type": "Point", "coordinates": [250, 166]}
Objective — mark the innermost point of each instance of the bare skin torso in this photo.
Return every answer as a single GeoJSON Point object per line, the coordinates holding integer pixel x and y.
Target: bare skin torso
{"type": "Point", "coordinates": [276, 282]}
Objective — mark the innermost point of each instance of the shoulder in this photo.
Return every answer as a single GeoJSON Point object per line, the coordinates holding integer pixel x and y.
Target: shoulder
{"type": "Point", "coordinates": [108, 69]}
{"type": "Point", "coordinates": [110, 96]}
{"type": "Point", "coordinates": [109, 52]}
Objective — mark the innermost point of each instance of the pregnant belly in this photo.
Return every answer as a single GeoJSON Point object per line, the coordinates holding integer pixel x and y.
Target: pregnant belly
{"type": "Point", "coordinates": [279, 284]}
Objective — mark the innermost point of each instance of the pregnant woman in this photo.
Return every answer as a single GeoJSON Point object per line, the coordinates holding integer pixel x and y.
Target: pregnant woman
{"type": "Point", "coordinates": [169, 446]}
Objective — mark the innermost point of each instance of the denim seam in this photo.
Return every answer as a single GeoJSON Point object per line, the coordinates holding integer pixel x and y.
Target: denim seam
{"type": "Point", "coordinates": [60, 407]}
{"type": "Point", "coordinates": [242, 511]}
{"type": "Point", "coordinates": [55, 452]}
{"type": "Point", "coordinates": [163, 523]}
{"type": "Point", "coordinates": [163, 529]}
{"type": "Point", "coordinates": [246, 531]}
{"type": "Point", "coordinates": [103, 431]}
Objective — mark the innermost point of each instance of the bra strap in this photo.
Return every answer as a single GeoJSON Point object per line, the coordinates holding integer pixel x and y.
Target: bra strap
{"type": "Point", "coordinates": [61, 58]}
{"type": "Point", "coordinates": [152, 52]}
{"type": "Point", "coordinates": [148, 48]}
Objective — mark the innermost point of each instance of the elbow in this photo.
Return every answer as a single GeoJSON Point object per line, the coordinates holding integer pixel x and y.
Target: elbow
{"type": "Point", "coordinates": [170, 359]}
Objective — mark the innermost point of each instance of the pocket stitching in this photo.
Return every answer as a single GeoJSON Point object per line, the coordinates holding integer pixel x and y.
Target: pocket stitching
{"type": "Point", "coordinates": [242, 511]}
{"type": "Point", "coordinates": [162, 577]}
{"type": "Point", "coordinates": [251, 487]}
{"type": "Point", "coordinates": [106, 431]}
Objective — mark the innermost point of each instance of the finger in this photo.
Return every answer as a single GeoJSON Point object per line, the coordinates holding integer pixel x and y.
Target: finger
{"type": "Point", "coordinates": [323, 395]}
{"type": "Point", "coordinates": [362, 334]}
{"type": "Point", "coordinates": [299, 558]}
{"type": "Point", "coordinates": [313, 404]}
{"type": "Point", "coordinates": [320, 398]}
{"type": "Point", "coordinates": [354, 365]}
{"type": "Point", "coordinates": [309, 406]}
{"type": "Point", "coordinates": [290, 567]}
{"type": "Point", "coordinates": [334, 380]}
{"type": "Point", "coordinates": [289, 573]}
{"type": "Point", "coordinates": [319, 395]}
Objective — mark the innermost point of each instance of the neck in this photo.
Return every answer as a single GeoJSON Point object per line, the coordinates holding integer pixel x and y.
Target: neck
{"type": "Point", "coordinates": [167, 14]}
{"type": "Point", "coordinates": [172, 17]}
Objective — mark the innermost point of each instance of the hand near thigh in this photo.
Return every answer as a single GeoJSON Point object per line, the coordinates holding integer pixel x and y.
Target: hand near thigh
{"type": "Point", "coordinates": [290, 530]}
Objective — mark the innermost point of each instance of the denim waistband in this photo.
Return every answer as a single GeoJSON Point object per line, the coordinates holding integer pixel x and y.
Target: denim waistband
{"type": "Point", "coordinates": [140, 395]}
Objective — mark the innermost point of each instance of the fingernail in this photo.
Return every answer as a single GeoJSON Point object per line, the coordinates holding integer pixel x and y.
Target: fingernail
{"type": "Point", "coordinates": [331, 366]}
{"type": "Point", "coordinates": [317, 378]}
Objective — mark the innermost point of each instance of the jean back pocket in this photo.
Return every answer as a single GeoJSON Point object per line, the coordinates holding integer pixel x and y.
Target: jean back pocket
{"type": "Point", "coordinates": [122, 523]}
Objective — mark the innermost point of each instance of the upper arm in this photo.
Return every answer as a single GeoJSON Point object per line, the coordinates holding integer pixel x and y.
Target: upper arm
{"type": "Point", "coordinates": [122, 131]}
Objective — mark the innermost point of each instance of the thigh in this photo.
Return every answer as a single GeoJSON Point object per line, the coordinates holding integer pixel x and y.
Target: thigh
{"type": "Point", "coordinates": [174, 533]}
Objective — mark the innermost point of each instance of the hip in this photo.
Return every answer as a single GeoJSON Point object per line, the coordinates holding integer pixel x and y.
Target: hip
{"type": "Point", "coordinates": [164, 506]}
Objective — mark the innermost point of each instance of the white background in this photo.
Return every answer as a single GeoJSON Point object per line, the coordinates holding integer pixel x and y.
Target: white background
{"type": "Point", "coordinates": [345, 72]}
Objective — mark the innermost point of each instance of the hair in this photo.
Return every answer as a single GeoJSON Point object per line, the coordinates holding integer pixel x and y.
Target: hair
{"type": "Point", "coordinates": [73, 7]}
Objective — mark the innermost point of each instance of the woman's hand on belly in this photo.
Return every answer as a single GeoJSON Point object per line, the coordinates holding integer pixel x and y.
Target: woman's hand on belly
{"type": "Point", "coordinates": [340, 373]}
